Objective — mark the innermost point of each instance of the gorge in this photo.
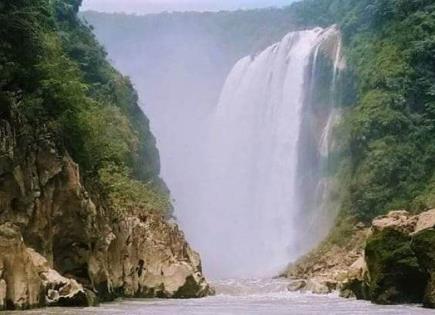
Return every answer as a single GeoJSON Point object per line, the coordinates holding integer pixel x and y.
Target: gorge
{"type": "Point", "coordinates": [234, 146]}
{"type": "Point", "coordinates": [282, 144]}
{"type": "Point", "coordinates": [343, 157]}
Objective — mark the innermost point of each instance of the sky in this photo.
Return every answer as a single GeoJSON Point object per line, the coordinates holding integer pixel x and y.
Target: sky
{"type": "Point", "coordinates": [156, 6]}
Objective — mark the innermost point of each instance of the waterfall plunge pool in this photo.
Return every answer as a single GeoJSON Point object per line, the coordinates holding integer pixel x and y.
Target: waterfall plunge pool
{"type": "Point", "coordinates": [240, 297]}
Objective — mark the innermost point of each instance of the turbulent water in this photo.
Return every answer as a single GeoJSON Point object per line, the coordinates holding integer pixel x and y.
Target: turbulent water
{"type": "Point", "coordinates": [246, 221]}
{"type": "Point", "coordinates": [256, 297]}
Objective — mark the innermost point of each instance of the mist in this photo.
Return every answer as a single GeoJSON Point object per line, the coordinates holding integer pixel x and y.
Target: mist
{"type": "Point", "coordinates": [157, 6]}
{"type": "Point", "coordinates": [238, 208]}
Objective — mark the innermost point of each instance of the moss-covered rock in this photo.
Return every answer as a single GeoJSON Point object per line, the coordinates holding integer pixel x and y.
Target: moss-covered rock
{"type": "Point", "coordinates": [394, 263]}
{"type": "Point", "coordinates": [355, 288]}
{"type": "Point", "coordinates": [423, 244]}
{"type": "Point", "coordinates": [395, 273]}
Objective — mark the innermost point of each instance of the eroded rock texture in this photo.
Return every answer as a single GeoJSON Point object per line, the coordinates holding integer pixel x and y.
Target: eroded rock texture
{"type": "Point", "coordinates": [400, 260]}
{"type": "Point", "coordinates": [59, 247]}
{"type": "Point", "coordinates": [395, 274]}
{"type": "Point", "coordinates": [391, 262]}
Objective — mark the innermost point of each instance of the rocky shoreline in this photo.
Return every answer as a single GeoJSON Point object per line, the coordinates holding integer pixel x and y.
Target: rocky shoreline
{"type": "Point", "coordinates": [61, 245]}
{"type": "Point", "coordinates": [391, 262]}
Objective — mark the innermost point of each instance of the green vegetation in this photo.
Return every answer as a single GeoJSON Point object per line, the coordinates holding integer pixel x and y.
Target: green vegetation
{"type": "Point", "coordinates": [131, 196]}
{"type": "Point", "coordinates": [55, 74]}
{"type": "Point", "coordinates": [54, 77]}
{"type": "Point", "coordinates": [386, 141]}
{"type": "Point", "coordinates": [422, 245]}
{"type": "Point", "coordinates": [388, 134]}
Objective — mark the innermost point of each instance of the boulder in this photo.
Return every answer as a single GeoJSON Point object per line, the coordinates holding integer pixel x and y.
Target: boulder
{"type": "Point", "coordinates": [356, 283]}
{"type": "Point", "coordinates": [358, 269]}
{"type": "Point", "coordinates": [394, 272]}
{"type": "Point", "coordinates": [27, 280]}
{"type": "Point", "coordinates": [355, 288]}
{"type": "Point", "coordinates": [148, 257]}
{"type": "Point", "coordinates": [59, 291]}
{"type": "Point", "coordinates": [423, 244]}
{"type": "Point", "coordinates": [425, 220]}
{"type": "Point", "coordinates": [297, 285]}
{"type": "Point", "coordinates": [392, 263]}
{"type": "Point", "coordinates": [399, 220]}
{"type": "Point", "coordinates": [320, 286]}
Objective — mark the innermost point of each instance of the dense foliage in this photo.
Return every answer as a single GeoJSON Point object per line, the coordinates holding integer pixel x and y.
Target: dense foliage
{"type": "Point", "coordinates": [389, 129]}
{"type": "Point", "coordinates": [54, 74]}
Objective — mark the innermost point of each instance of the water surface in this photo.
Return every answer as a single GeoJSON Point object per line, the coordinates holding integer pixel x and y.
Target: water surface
{"type": "Point", "coordinates": [256, 297]}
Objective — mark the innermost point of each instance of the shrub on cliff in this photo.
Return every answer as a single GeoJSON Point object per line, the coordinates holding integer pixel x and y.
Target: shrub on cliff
{"type": "Point", "coordinates": [129, 196]}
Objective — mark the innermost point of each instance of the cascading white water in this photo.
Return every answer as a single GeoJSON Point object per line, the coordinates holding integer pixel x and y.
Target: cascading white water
{"type": "Point", "coordinates": [247, 226]}
{"type": "Point", "coordinates": [322, 212]}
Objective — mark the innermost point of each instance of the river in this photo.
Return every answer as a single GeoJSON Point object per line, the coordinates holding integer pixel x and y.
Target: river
{"type": "Point", "coordinates": [236, 297]}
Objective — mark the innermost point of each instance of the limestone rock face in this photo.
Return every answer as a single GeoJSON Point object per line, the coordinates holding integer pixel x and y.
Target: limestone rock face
{"type": "Point", "coordinates": [425, 220]}
{"type": "Point", "coordinates": [58, 290]}
{"type": "Point", "coordinates": [297, 285]}
{"type": "Point", "coordinates": [400, 220]}
{"type": "Point", "coordinates": [333, 262]}
{"type": "Point", "coordinates": [400, 259]}
{"type": "Point", "coordinates": [27, 279]}
{"type": "Point", "coordinates": [148, 257]}
{"type": "Point", "coordinates": [61, 245]}
{"type": "Point", "coordinates": [320, 286]}
{"type": "Point", "coordinates": [355, 283]}
{"type": "Point", "coordinates": [21, 285]}
{"type": "Point", "coordinates": [358, 269]}
{"type": "Point", "coordinates": [392, 262]}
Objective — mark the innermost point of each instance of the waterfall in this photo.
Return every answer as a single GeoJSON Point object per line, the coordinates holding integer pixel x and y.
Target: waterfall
{"type": "Point", "coordinates": [317, 208]}
{"type": "Point", "coordinates": [249, 198]}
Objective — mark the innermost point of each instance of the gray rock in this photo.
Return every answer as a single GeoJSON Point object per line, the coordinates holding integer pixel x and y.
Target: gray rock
{"type": "Point", "coordinates": [355, 288]}
{"type": "Point", "coordinates": [55, 221]}
{"type": "Point", "coordinates": [297, 285]}
{"type": "Point", "coordinates": [320, 286]}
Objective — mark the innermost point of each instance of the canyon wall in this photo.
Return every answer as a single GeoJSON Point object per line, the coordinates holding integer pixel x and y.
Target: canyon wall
{"type": "Point", "coordinates": [51, 225]}
{"type": "Point", "coordinates": [84, 215]}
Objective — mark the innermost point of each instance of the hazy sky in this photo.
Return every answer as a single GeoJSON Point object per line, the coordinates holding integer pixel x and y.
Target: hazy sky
{"type": "Point", "coordinates": [154, 6]}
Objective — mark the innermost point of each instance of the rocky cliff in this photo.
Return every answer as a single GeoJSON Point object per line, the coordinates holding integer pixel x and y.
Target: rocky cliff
{"type": "Point", "coordinates": [84, 215]}
{"type": "Point", "coordinates": [61, 246]}
{"type": "Point", "coordinates": [386, 119]}
{"type": "Point", "coordinates": [391, 262]}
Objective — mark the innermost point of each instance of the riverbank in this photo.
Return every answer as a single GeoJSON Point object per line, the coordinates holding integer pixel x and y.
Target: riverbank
{"type": "Point", "coordinates": [390, 262]}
